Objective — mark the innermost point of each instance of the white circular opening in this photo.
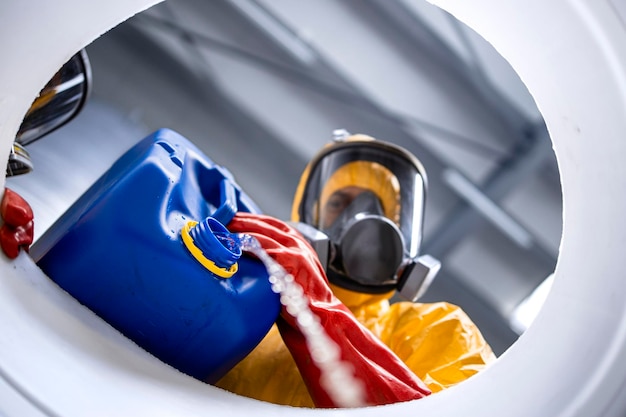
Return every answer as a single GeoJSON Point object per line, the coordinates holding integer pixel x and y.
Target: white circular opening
{"type": "Point", "coordinates": [58, 359]}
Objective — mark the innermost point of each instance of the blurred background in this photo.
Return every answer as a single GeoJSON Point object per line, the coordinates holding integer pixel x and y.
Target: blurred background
{"type": "Point", "coordinates": [260, 85]}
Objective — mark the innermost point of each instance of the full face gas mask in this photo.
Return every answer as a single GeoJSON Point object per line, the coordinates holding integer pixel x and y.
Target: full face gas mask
{"type": "Point", "coordinates": [360, 202]}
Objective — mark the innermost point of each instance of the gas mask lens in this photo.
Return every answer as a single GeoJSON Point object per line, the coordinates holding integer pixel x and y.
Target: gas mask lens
{"type": "Point", "coordinates": [345, 204]}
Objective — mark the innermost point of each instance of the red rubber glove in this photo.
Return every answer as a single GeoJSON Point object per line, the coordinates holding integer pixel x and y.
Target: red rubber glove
{"type": "Point", "coordinates": [17, 224]}
{"type": "Point", "coordinates": [386, 378]}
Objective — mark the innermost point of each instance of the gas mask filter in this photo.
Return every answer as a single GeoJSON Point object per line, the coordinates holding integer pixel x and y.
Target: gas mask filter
{"type": "Point", "coordinates": [366, 244]}
{"type": "Point", "coordinates": [360, 203]}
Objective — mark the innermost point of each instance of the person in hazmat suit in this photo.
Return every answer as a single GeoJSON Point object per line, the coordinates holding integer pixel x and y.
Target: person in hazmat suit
{"type": "Point", "coordinates": [229, 310]}
{"type": "Point", "coordinates": [360, 203]}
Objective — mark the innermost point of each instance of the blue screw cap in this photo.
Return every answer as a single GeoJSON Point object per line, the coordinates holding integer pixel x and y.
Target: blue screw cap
{"type": "Point", "coordinates": [216, 242]}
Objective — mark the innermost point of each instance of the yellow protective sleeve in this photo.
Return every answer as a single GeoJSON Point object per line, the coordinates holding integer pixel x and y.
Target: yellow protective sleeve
{"type": "Point", "coordinates": [437, 341]}
{"type": "Point", "coordinates": [268, 373]}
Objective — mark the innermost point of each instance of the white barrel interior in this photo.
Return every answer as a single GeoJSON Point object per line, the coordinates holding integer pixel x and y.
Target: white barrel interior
{"type": "Point", "coordinates": [57, 358]}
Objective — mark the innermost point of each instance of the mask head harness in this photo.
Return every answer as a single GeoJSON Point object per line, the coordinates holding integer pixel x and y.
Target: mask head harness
{"type": "Point", "coordinates": [361, 203]}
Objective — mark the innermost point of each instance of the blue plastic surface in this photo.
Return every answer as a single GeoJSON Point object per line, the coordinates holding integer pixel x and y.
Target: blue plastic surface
{"type": "Point", "coordinates": [118, 250]}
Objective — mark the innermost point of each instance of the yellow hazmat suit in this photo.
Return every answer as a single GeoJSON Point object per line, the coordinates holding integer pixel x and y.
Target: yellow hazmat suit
{"type": "Point", "coordinates": [437, 341]}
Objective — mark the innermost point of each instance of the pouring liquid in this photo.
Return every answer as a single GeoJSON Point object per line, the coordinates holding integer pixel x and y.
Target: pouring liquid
{"type": "Point", "coordinates": [336, 375]}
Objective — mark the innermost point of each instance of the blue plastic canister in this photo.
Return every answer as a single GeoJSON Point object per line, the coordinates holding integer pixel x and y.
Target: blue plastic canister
{"type": "Point", "coordinates": [119, 250]}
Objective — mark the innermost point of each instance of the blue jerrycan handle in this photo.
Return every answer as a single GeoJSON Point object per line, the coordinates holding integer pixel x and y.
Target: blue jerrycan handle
{"type": "Point", "coordinates": [123, 251]}
{"type": "Point", "coordinates": [228, 206]}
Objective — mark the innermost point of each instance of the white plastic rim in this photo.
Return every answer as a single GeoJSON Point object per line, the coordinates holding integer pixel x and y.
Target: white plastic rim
{"type": "Point", "coordinates": [56, 358]}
